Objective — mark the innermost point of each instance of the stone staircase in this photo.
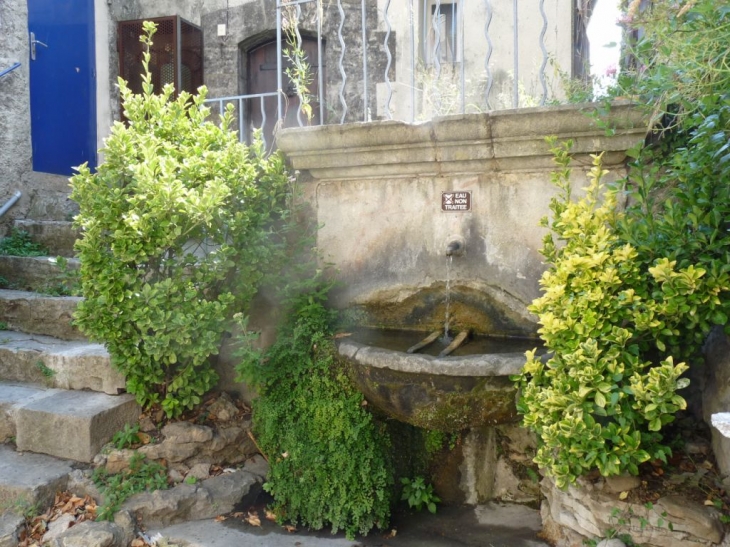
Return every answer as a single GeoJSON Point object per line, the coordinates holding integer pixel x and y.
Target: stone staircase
{"type": "Point", "coordinates": [60, 399]}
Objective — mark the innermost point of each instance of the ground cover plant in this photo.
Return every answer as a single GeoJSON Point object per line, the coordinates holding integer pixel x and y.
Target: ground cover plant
{"type": "Point", "coordinates": [179, 226]}
{"type": "Point", "coordinates": [629, 297]}
{"type": "Point", "coordinates": [329, 458]}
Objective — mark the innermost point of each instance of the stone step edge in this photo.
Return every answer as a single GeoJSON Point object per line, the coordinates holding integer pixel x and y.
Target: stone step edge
{"type": "Point", "coordinates": [66, 364]}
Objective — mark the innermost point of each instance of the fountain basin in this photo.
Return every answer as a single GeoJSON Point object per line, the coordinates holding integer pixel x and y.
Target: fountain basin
{"type": "Point", "coordinates": [442, 393]}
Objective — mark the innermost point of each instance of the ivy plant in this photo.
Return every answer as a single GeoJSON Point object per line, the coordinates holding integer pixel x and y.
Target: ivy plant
{"type": "Point", "coordinates": [329, 460]}
{"type": "Point", "coordinates": [180, 223]}
{"type": "Point", "coordinates": [610, 385]}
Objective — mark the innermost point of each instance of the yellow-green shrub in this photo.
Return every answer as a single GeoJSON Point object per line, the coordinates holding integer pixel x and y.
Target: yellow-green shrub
{"type": "Point", "coordinates": [601, 399]}
{"type": "Point", "coordinates": [178, 231]}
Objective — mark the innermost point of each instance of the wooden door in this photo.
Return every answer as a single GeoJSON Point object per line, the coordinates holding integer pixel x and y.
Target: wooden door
{"type": "Point", "coordinates": [262, 65]}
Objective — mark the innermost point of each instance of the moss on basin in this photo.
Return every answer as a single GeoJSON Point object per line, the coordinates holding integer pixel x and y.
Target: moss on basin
{"type": "Point", "coordinates": [440, 401]}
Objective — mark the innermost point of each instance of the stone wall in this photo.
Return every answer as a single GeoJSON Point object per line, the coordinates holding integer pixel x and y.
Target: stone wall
{"type": "Point", "coordinates": [376, 191]}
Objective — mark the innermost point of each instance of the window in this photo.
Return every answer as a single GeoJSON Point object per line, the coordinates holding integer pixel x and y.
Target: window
{"type": "Point", "coordinates": [441, 33]}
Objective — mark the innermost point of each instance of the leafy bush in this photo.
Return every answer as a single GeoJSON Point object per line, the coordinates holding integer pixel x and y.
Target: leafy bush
{"type": "Point", "coordinates": [329, 459]}
{"type": "Point", "coordinates": [602, 398]}
{"type": "Point", "coordinates": [179, 226]}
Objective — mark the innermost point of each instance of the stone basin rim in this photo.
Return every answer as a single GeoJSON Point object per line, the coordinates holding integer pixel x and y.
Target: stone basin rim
{"type": "Point", "coordinates": [480, 365]}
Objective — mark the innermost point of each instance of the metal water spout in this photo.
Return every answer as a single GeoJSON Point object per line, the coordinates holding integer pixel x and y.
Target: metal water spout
{"type": "Point", "coordinates": [455, 246]}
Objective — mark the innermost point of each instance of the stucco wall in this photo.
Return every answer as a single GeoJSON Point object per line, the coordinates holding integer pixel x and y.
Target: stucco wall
{"type": "Point", "coordinates": [375, 190]}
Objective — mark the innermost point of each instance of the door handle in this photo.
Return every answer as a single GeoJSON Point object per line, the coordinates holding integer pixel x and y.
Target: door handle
{"type": "Point", "coordinates": [33, 43]}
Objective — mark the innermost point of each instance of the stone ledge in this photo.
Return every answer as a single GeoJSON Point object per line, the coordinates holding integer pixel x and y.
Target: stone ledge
{"type": "Point", "coordinates": [509, 140]}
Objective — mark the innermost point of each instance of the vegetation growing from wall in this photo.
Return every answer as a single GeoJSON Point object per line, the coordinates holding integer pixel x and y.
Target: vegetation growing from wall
{"type": "Point", "coordinates": [180, 224]}
{"type": "Point", "coordinates": [329, 459]}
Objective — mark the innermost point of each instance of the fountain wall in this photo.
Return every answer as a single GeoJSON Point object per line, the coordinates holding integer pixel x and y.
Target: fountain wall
{"type": "Point", "coordinates": [378, 191]}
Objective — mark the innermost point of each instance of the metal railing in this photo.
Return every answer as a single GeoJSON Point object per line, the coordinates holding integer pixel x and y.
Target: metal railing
{"type": "Point", "coordinates": [436, 57]}
{"type": "Point", "coordinates": [9, 69]}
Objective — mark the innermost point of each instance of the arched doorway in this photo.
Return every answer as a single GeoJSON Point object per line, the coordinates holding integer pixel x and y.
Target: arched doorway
{"type": "Point", "coordinates": [262, 78]}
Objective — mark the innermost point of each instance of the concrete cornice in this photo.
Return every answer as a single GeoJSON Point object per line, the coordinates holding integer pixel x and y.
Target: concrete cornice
{"type": "Point", "coordinates": [507, 140]}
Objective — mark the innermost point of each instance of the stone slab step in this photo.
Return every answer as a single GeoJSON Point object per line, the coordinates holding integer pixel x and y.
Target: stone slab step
{"type": "Point", "coordinates": [35, 313]}
{"type": "Point", "coordinates": [10, 524]}
{"type": "Point", "coordinates": [56, 235]}
{"type": "Point", "coordinates": [30, 478]}
{"type": "Point", "coordinates": [72, 424]}
{"type": "Point", "coordinates": [34, 273]}
{"type": "Point", "coordinates": [64, 364]}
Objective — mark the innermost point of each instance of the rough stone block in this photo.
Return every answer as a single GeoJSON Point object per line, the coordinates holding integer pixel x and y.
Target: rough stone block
{"type": "Point", "coordinates": [57, 363]}
{"type": "Point", "coordinates": [30, 478]}
{"type": "Point", "coordinates": [205, 500]}
{"type": "Point", "coordinates": [39, 314]}
{"type": "Point", "coordinates": [73, 424]}
{"type": "Point", "coordinates": [57, 236]}
{"type": "Point", "coordinates": [10, 523]}
{"type": "Point", "coordinates": [11, 396]}
{"type": "Point", "coordinates": [32, 272]}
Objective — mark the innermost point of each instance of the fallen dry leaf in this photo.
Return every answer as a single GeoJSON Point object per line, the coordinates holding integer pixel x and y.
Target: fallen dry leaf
{"type": "Point", "coordinates": [392, 533]}
{"type": "Point", "coordinates": [342, 335]}
{"type": "Point", "coordinates": [269, 514]}
{"type": "Point", "coordinates": [623, 495]}
{"type": "Point", "coordinates": [138, 542]}
{"type": "Point", "coordinates": [709, 503]}
{"type": "Point", "coordinates": [253, 518]}
{"type": "Point", "coordinates": [289, 528]}
{"type": "Point", "coordinates": [220, 518]}
{"type": "Point", "coordinates": [238, 515]}
{"type": "Point", "coordinates": [144, 438]}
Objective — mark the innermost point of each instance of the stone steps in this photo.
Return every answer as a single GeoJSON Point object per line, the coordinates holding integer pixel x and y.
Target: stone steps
{"type": "Point", "coordinates": [35, 313]}
{"type": "Point", "coordinates": [27, 479]}
{"type": "Point", "coordinates": [56, 235]}
{"type": "Point", "coordinates": [54, 363]}
{"type": "Point", "coordinates": [67, 424]}
{"type": "Point", "coordinates": [34, 273]}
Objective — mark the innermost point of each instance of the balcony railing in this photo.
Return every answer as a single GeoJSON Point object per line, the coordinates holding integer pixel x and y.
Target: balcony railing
{"type": "Point", "coordinates": [414, 59]}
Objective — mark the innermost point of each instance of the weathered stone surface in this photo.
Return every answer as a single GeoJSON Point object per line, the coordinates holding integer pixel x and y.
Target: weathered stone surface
{"type": "Point", "coordinates": [73, 424]}
{"type": "Point", "coordinates": [200, 471]}
{"type": "Point", "coordinates": [436, 401]}
{"type": "Point", "coordinates": [10, 524]}
{"type": "Point", "coordinates": [611, 543]}
{"type": "Point", "coordinates": [92, 534]}
{"type": "Point", "coordinates": [716, 394]}
{"type": "Point", "coordinates": [31, 478]}
{"type": "Point", "coordinates": [11, 397]}
{"type": "Point", "coordinates": [223, 408]}
{"type": "Point", "coordinates": [620, 483]}
{"type": "Point", "coordinates": [207, 499]}
{"type": "Point", "coordinates": [58, 236]}
{"type": "Point", "coordinates": [33, 273]}
{"type": "Point", "coordinates": [80, 484]}
{"type": "Point", "coordinates": [57, 527]}
{"type": "Point", "coordinates": [590, 512]}
{"type": "Point", "coordinates": [194, 444]}
{"type": "Point", "coordinates": [35, 313]}
{"type": "Point", "coordinates": [118, 460]}
{"type": "Point", "coordinates": [185, 432]}
{"type": "Point", "coordinates": [257, 465]}
{"type": "Point", "coordinates": [66, 364]}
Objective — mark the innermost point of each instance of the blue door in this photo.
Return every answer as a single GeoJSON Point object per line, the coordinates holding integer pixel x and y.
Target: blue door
{"type": "Point", "coordinates": [62, 84]}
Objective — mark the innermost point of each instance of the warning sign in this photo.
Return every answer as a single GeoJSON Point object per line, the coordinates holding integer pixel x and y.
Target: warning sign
{"type": "Point", "coordinates": [455, 201]}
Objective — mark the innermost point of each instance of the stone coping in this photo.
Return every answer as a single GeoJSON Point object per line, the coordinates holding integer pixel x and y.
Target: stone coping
{"type": "Point", "coordinates": [483, 365]}
{"type": "Point", "coordinates": [505, 140]}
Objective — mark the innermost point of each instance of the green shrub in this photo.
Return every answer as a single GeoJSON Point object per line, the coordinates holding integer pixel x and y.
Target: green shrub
{"type": "Point", "coordinates": [179, 226]}
{"type": "Point", "coordinates": [602, 398]}
{"type": "Point", "coordinates": [329, 458]}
